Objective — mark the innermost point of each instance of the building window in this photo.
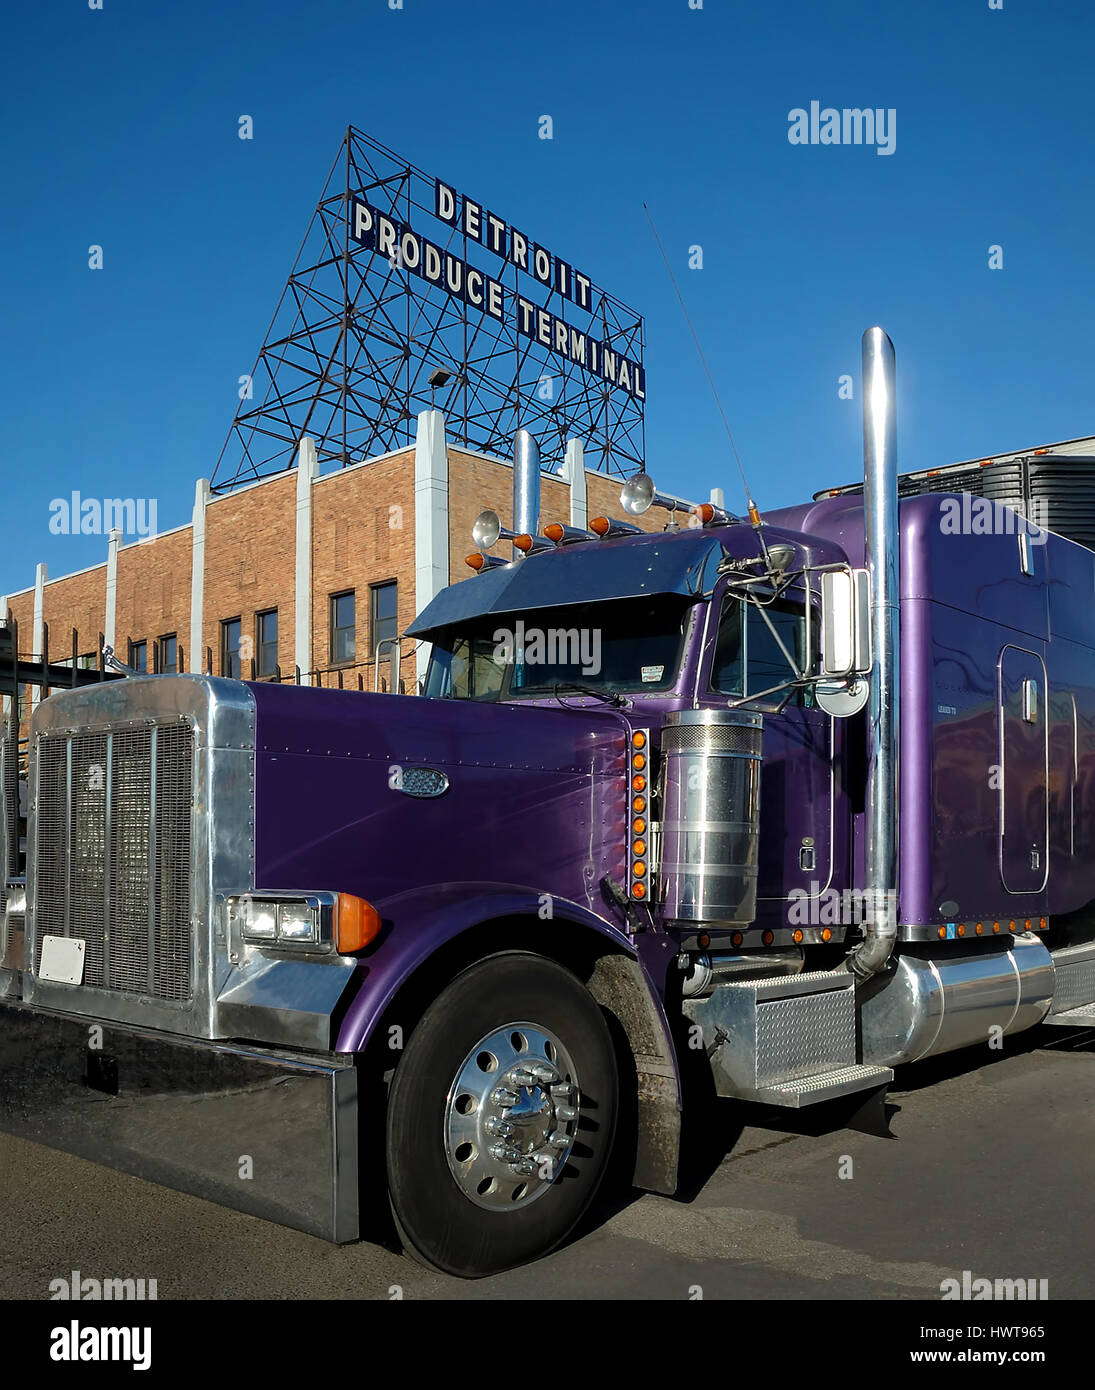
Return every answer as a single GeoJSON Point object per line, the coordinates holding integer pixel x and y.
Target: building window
{"type": "Point", "coordinates": [138, 656]}
{"type": "Point", "coordinates": [266, 642]}
{"type": "Point", "coordinates": [343, 628]}
{"type": "Point", "coordinates": [167, 653]}
{"type": "Point", "coordinates": [383, 602]}
{"type": "Point", "coordinates": [230, 648]}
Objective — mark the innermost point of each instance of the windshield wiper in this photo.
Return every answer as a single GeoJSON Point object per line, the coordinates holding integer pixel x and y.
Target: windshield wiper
{"type": "Point", "coordinates": [608, 696]}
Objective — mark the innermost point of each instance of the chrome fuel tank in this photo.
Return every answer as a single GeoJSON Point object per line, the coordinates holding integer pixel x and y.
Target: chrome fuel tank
{"type": "Point", "coordinates": [927, 1006]}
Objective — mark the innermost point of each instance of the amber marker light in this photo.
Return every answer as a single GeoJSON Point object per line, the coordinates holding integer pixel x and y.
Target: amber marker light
{"type": "Point", "coordinates": [996, 926]}
{"type": "Point", "coordinates": [639, 828]}
{"type": "Point", "coordinates": [554, 532]}
{"type": "Point", "coordinates": [961, 928]}
{"type": "Point", "coordinates": [638, 804]}
{"type": "Point", "coordinates": [826, 933]}
{"type": "Point", "coordinates": [768, 938]}
{"type": "Point", "coordinates": [357, 923]}
{"type": "Point", "coordinates": [639, 847]}
{"type": "Point", "coordinates": [638, 783]}
{"type": "Point", "coordinates": [638, 762]}
{"type": "Point", "coordinates": [1026, 924]}
{"type": "Point", "coordinates": [703, 941]}
{"type": "Point", "coordinates": [638, 739]}
{"type": "Point", "coordinates": [1011, 924]}
{"type": "Point", "coordinates": [523, 542]}
{"type": "Point", "coordinates": [979, 928]}
{"type": "Point", "coordinates": [942, 933]}
{"type": "Point", "coordinates": [476, 561]}
{"type": "Point", "coordinates": [796, 936]}
{"type": "Point", "coordinates": [639, 871]}
{"type": "Point", "coordinates": [705, 512]}
{"type": "Point", "coordinates": [599, 525]}
{"type": "Point", "coordinates": [736, 939]}
{"type": "Point", "coordinates": [1041, 924]}
{"type": "Point", "coordinates": [638, 890]}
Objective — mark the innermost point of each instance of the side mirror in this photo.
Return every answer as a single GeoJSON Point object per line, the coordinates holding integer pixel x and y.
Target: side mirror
{"type": "Point", "coordinates": [845, 623]}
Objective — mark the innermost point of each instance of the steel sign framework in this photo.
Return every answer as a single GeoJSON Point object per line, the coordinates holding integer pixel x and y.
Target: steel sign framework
{"type": "Point", "coordinates": [399, 278]}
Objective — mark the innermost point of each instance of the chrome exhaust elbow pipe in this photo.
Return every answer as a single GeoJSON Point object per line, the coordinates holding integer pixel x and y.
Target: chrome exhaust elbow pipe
{"type": "Point", "coordinates": [882, 546]}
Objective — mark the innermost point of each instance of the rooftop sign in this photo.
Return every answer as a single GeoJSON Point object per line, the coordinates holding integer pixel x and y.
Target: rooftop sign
{"type": "Point", "coordinates": [402, 277]}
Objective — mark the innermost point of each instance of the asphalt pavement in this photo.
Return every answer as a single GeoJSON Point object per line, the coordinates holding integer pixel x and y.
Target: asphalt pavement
{"type": "Point", "coordinates": [988, 1171]}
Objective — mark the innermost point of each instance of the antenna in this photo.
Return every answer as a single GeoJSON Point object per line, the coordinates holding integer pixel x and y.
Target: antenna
{"type": "Point", "coordinates": [754, 511]}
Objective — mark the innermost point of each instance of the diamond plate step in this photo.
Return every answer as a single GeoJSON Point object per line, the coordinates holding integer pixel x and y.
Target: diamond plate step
{"type": "Point", "coordinates": [827, 1085]}
{"type": "Point", "coordinates": [1083, 1017]}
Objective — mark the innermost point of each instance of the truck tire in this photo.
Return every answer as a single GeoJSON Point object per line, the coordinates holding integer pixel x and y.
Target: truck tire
{"type": "Point", "coordinates": [501, 1117]}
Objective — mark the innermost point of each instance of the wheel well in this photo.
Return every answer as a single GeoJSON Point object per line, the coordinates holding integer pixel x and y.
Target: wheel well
{"type": "Point", "coordinates": [650, 1117]}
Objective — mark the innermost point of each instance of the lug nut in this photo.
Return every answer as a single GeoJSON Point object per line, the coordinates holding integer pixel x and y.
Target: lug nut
{"type": "Point", "coordinates": [544, 1074]}
{"type": "Point", "coordinates": [559, 1140]}
{"type": "Point", "coordinates": [502, 1128]}
{"type": "Point", "coordinates": [520, 1076]}
{"type": "Point", "coordinates": [562, 1088]}
{"type": "Point", "coordinates": [503, 1097]}
{"type": "Point", "coordinates": [505, 1153]}
{"type": "Point", "coordinates": [565, 1113]}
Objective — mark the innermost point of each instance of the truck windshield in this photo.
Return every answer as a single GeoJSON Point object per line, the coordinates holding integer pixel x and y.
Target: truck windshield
{"type": "Point", "coordinates": [630, 644]}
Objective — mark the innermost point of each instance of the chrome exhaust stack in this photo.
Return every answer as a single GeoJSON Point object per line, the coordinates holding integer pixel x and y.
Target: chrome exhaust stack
{"type": "Point", "coordinates": [526, 484]}
{"type": "Point", "coordinates": [882, 543]}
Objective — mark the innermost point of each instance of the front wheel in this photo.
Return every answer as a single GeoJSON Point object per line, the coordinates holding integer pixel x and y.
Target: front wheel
{"type": "Point", "coordinates": [501, 1117]}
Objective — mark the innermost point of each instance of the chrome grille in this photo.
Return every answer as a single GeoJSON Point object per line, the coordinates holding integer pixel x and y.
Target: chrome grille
{"type": "Point", "coordinates": [112, 866]}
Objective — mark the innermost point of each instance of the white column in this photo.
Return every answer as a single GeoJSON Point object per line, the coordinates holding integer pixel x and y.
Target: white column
{"type": "Point", "coordinates": [431, 516]}
{"type": "Point", "coordinates": [197, 574]}
{"type": "Point", "coordinates": [39, 629]}
{"type": "Point", "coordinates": [718, 498]}
{"type": "Point", "coordinates": [109, 620]}
{"type": "Point", "coordinates": [307, 472]}
{"type": "Point", "coordinates": [574, 470]}
{"type": "Point", "coordinates": [5, 700]}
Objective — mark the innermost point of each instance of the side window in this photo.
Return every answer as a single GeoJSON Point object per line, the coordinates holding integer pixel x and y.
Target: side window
{"type": "Point", "coordinates": [750, 657]}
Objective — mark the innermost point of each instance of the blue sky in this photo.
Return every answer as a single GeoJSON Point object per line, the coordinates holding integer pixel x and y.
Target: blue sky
{"type": "Point", "coordinates": [120, 130]}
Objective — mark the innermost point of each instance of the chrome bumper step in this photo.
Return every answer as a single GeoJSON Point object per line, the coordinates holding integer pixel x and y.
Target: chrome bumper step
{"type": "Point", "coordinates": [809, 1090]}
{"type": "Point", "coordinates": [1081, 1017]}
{"type": "Point", "coordinates": [787, 1040]}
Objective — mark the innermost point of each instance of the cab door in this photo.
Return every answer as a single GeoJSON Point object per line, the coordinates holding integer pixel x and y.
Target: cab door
{"type": "Point", "coordinates": [1024, 752]}
{"type": "Point", "coordinates": [744, 657]}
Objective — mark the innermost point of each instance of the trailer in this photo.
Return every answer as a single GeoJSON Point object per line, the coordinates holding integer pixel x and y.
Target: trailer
{"type": "Point", "coordinates": [783, 802]}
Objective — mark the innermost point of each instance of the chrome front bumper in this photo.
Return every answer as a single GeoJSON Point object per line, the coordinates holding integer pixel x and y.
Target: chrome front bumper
{"type": "Point", "coordinates": [184, 1113]}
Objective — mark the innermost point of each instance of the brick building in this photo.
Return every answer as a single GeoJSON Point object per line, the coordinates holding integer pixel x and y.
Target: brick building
{"type": "Point", "coordinates": [300, 575]}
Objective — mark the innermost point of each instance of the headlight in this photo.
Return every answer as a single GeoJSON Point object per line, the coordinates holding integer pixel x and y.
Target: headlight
{"type": "Point", "coordinates": [260, 920]}
{"type": "Point", "coordinates": [297, 922]}
{"type": "Point", "coordinates": [319, 923]}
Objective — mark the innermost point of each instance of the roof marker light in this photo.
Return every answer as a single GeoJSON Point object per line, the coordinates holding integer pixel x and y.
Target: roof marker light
{"type": "Point", "coordinates": [608, 526]}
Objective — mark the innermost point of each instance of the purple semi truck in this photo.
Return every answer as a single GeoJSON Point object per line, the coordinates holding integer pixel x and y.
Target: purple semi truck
{"type": "Point", "coordinates": [743, 808]}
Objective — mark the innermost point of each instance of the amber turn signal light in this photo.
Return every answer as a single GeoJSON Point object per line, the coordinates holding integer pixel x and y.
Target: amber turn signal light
{"type": "Point", "coordinates": [599, 525]}
{"type": "Point", "coordinates": [357, 924]}
{"type": "Point", "coordinates": [475, 561]}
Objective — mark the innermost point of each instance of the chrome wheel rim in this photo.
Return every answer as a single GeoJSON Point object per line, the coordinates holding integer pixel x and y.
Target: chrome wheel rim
{"type": "Point", "coordinates": [511, 1116]}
